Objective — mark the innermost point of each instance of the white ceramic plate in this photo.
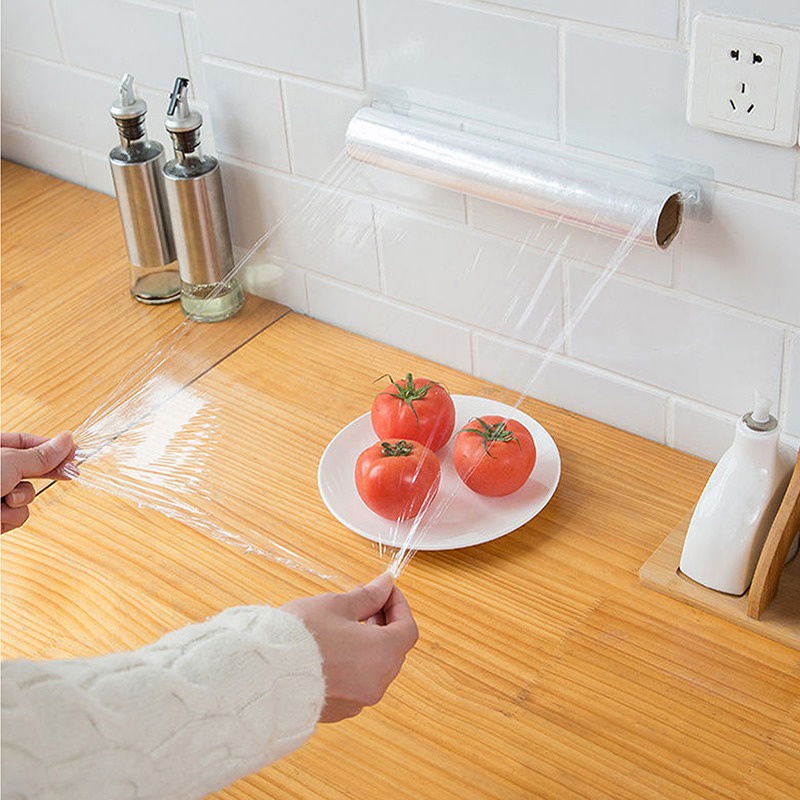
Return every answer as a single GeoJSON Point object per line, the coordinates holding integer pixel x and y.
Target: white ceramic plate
{"type": "Point", "coordinates": [457, 517]}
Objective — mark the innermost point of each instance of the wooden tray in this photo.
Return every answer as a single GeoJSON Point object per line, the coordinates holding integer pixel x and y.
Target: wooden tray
{"type": "Point", "coordinates": [779, 621]}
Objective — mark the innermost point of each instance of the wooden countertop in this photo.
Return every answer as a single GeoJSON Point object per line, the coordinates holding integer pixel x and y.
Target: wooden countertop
{"type": "Point", "coordinates": [544, 669]}
{"type": "Point", "coordinates": [70, 328]}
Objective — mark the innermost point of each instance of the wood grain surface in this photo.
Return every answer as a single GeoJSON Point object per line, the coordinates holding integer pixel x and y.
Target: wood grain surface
{"type": "Point", "coordinates": [71, 330]}
{"type": "Point", "coordinates": [544, 669]}
{"type": "Point", "coordinates": [770, 567]}
{"type": "Point", "coordinates": [779, 620]}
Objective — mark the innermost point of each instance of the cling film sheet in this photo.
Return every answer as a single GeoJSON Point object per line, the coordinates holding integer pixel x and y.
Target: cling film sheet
{"type": "Point", "coordinates": [213, 442]}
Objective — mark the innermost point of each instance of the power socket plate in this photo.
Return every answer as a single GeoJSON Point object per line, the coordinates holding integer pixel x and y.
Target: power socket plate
{"type": "Point", "coordinates": [744, 79]}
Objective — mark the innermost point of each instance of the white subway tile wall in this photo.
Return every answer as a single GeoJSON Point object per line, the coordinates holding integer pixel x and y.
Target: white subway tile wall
{"type": "Point", "coordinates": [49, 155]}
{"type": "Point", "coordinates": [569, 383]}
{"type": "Point", "coordinates": [28, 27]}
{"type": "Point", "coordinates": [792, 423]}
{"type": "Point", "coordinates": [670, 349]}
{"type": "Point", "coordinates": [283, 283]}
{"type": "Point", "coordinates": [310, 227]}
{"type": "Point", "coordinates": [312, 38]}
{"type": "Point", "coordinates": [13, 93]}
{"type": "Point", "coordinates": [727, 263]}
{"type": "Point", "coordinates": [657, 19]}
{"type": "Point", "coordinates": [317, 119]}
{"type": "Point", "coordinates": [702, 431]}
{"type": "Point", "coordinates": [258, 135]}
{"type": "Point", "coordinates": [121, 34]}
{"type": "Point", "coordinates": [702, 351]}
{"type": "Point", "coordinates": [483, 281]}
{"type": "Point", "coordinates": [630, 99]}
{"type": "Point", "coordinates": [68, 104]}
{"type": "Point", "coordinates": [477, 63]}
{"type": "Point", "coordinates": [191, 36]}
{"type": "Point", "coordinates": [97, 173]}
{"type": "Point", "coordinates": [779, 12]}
{"type": "Point", "coordinates": [380, 318]}
{"type": "Point", "coordinates": [579, 244]}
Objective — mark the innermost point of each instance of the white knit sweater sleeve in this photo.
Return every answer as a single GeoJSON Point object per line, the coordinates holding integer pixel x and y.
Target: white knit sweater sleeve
{"type": "Point", "coordinates": [180, 718]}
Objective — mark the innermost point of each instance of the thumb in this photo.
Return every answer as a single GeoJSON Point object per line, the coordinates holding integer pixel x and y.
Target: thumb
{"type": "Point", "coordinates": [38, 461]}
{"type": "Point", "coordinates": [365, 601]}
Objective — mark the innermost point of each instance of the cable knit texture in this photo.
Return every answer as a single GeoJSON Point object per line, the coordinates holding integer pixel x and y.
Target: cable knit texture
{"type": "Point", "coordinates": [178, 719]}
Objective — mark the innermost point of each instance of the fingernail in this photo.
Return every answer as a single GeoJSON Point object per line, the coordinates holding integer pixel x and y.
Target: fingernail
{"type": "Point", "coordinates": [60, 438]}
{"type": "Point", "coordinates": [15, 498]}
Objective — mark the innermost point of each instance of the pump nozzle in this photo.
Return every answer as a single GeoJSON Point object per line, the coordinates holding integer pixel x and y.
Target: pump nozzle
{"type": "Point", "coordinates": [759, 418]}
{"type": "Point", "coordinates": [761, 406]}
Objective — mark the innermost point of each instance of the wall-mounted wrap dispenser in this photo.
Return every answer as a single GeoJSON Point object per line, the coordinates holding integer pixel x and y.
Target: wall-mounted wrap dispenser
{"type": "Point", "coordinates": [550, 185]}
{"type": "Point", "coordinates": [209, 292]}
{"type": "Point", "coordinates": [136, 168]}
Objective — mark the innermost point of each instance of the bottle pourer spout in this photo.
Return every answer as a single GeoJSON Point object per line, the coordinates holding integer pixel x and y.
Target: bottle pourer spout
{"type": "Point", "coordinates": [178, 94]}
{"type": "Point", "coordinates": [127, 105]}
{"type": "Point", "coordinates": [180, 117]}
{"type": "Point", "coordinates": [126, 94]}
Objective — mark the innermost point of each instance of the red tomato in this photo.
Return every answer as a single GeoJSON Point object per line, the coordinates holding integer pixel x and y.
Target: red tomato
{"type": "Point", "coordinates": [418, 409]}
{"type": "Point", "coordinates": [493, 455]}
{"type": "Point", "coordinates": [397, 478]}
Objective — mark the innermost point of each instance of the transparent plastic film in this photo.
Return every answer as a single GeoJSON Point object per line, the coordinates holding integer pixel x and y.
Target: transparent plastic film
{"type": "Point", "coordinates": [471, 504]}
{"type": "Point", "coordinates": [219, 419]}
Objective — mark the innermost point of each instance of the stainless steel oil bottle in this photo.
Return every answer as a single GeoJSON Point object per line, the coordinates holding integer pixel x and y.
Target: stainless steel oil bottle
{"type": "Point", "coordinates": [136, 168]}
{"type": "Point", "coordinates": [209, 291]}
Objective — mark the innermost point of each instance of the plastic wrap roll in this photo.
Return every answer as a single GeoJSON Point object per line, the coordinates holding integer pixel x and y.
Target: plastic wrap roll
{"type": "Point", "coordinates": [577, 192]}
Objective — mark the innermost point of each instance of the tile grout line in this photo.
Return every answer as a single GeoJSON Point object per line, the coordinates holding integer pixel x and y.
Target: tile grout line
{"type": "Point", "coordinates": [287, 127]}
{"type": "Point", "coordinates": [561, 70]}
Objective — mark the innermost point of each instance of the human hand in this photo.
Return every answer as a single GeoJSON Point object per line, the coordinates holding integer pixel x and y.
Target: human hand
{"type": "Point", "coordinates": [363, 636]}
{"type": "Point", "coordinates": [23, 455]}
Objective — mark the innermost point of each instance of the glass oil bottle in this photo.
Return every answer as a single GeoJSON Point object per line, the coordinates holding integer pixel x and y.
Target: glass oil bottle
{"type": "Point", "coordinates": [136, 168]}
{"type": "Point", "coordinates": [209, 290]}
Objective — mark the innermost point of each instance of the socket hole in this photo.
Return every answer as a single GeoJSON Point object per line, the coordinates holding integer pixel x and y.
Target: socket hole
{"type": "Point", "coordinates": [742, 87]}
{"type": "Point", "coordinates": [735, 55]}
{"type": "Point", "coordinates": [757, 58]}
{"type": "Point", "coordinates": [733, 105]}
{"type": "Point", "coordinates": [752, 106]}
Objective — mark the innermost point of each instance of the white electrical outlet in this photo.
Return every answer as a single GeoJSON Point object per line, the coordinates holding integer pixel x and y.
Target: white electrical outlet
{"type": "Point", "coordinates": [744, 79]}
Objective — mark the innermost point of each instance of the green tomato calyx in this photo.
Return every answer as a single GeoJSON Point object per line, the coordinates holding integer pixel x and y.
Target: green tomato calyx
{"type": "Point", "coordinates": [401, 448]}
{"type": "Point", "coordinates": [492, 433]}
{"type": "Point", "coordinates": [407, 392]}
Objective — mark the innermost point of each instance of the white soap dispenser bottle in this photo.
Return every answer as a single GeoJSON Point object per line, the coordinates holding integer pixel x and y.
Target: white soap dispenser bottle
{"type": "Point", "coordinates": [737, 506]}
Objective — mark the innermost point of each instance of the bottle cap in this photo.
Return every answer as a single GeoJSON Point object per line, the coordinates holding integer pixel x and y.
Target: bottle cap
{"type": "Point", "coordinates": [127, 105]}
{"type": "Point", "coordinates": [181, 118]}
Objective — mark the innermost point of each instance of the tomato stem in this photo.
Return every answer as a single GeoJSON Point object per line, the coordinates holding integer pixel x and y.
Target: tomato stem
{"type": "Point", "coordinates": [408, 392]}
{"type": "Point", "coordinates": [492, 433]}
{"type": "Point", "coordinates": [401, 448]}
